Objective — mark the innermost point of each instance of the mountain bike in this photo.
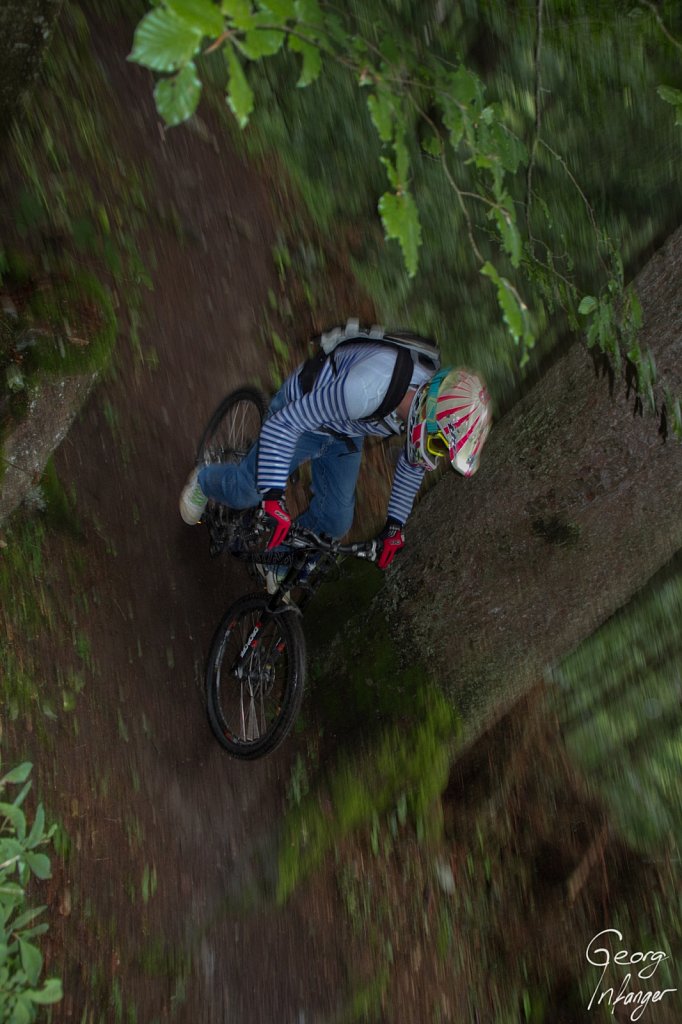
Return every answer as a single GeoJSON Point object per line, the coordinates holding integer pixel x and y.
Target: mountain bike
{"type": "Point", "coordinates": [256, 670]}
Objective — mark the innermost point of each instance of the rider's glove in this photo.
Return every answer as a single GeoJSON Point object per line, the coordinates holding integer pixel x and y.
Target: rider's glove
{"type": "Point", "coordinates": [278, 518]}
{"type": "Point", "coordinates": [390, 541]}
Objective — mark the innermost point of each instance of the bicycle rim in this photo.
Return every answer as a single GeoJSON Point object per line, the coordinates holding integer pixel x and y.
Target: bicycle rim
{"type": "Point", "coordinates": [251, 712]}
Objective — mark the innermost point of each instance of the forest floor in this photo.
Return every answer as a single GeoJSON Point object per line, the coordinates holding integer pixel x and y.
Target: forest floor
{"type": "Point", "coordinates": [160, 832]}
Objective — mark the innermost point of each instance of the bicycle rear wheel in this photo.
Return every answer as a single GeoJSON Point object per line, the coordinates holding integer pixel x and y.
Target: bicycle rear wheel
{"type": "Point", "coordinates": [253, 709]}
{"type": "Point", "coordinates": [233, 427]}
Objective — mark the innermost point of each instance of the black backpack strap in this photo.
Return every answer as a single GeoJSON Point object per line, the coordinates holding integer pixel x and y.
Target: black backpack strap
{"type": "Point", "coordinates": [310, 370]}
{"type": "Point", "coordinates": [397, 389]}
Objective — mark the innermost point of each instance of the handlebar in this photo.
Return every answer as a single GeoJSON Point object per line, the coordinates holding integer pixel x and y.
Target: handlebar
{"type": "Point", "coordinates": [300, 537]}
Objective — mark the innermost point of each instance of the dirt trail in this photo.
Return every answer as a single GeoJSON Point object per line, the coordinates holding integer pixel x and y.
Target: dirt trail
{"type": "Point", "coordinates": [142, 789]}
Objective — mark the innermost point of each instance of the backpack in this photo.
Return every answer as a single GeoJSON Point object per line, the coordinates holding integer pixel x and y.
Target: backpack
{"type": "Point", "coordinates": [411, 349]}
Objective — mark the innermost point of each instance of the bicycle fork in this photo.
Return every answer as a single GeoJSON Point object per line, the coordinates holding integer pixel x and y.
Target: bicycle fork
{"type": "Point", "coordinates": [252, 648]}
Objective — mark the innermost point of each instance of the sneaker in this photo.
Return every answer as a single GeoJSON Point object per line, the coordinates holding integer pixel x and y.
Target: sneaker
{"type": "Point", "coordinates": [193, 501]}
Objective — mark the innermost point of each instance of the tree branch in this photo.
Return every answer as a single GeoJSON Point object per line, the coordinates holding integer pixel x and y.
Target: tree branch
{"type": "Point", "coordinates": [536, 126]}
{"type": "Point", "coordinates": [661, 23]}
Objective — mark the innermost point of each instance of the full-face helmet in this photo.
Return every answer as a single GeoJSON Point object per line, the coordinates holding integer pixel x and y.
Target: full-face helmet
{"type": "Point", "coordinates": [450, 415]}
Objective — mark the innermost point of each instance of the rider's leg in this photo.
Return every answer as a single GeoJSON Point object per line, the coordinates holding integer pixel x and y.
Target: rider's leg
{"type": "Point", "coordinates": [234, 484]}
{"type": "Point", "coordinates": [335, 471]}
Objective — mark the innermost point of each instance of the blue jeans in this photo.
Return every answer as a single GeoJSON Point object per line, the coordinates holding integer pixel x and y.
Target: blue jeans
{"type": "Point", "coordinates": [335, 468]}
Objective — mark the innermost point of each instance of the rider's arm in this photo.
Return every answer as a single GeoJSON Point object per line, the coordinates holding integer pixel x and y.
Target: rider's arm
{"type": "Point", "coordinates": [406, 483]}
{"type": "Point", "coordinates": [324, 406]}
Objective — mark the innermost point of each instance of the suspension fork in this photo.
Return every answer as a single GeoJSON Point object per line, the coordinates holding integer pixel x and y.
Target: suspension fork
{"type": "Point", "coordinates": [254, 639]}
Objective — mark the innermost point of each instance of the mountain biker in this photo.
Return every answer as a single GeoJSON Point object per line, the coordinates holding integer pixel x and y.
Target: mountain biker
{"type": "Point", "coordinates": [443, 414]}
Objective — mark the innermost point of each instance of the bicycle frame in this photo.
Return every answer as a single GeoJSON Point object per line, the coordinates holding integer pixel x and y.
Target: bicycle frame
{"type": "Point", "coordinates": [301, 543]}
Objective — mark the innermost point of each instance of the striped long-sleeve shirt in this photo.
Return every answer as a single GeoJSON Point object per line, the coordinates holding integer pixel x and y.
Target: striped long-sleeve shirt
{"type": "Point", "coordinates": [337, 403]}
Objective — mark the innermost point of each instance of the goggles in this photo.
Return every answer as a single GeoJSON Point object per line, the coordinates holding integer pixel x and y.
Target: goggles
{"type": "Point", "coordinates": [437, 445]}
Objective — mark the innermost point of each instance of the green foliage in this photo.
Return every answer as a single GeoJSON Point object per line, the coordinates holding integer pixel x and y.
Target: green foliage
{"type": "Point", "coordinates": [519, 169]}
{"type": "Point", "coordinates": [514, 309]}
{"type": "Point", "coordinates": [401, 221]}
{"type": "Point", "coordinates": [312, 60]}
{"type": "Point", "coordinates": [168, 39]}
{"type": "Point", "coordinates": [618, 699]}
{"type": "Point", "coordinates": [674, 97]}
{"type": "Point", "coordinates": [240, 94]}
{"type": "Point", "coordinates": [165, 42]}
{"type": "Point", "coordinates": [408, 762]}
{"type": "Point", "coordinates": [177, 97]}
{"type": "Point", "coordinates": [21, 961]}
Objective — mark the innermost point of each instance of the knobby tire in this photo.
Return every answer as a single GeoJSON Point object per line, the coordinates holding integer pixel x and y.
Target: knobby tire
{"type": "Point", "coordinates": [224, 690]}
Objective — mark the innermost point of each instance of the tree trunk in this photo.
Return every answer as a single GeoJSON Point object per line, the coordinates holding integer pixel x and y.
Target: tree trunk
{"type": "Point", "coordinates": [577, 503]}
{"type": "Point", "coordinates": [25, 31]}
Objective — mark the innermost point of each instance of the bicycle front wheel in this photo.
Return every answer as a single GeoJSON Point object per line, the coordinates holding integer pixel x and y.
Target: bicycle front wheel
{"type": "Point", "coordinates": [233, 428]}
{"type": "Point", "coordinates": [255, 677]}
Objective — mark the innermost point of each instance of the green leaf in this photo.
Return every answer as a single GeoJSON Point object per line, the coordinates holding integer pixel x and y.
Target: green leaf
{"type": "Point", "coordinates": [503, 146]}
{"type": "Point", "coordinates": [199, 14]}
{"type": "Point", "coordinates": [381, 111]}
{"type": "Point", "coordinates": [390, 171]}
{"type": "Point", "coordinates": [312, 60]}
{"type": "Point", "coordinates": [31, 961]}
{"type": "Point", "coordinates": [177, 98]}
{"type": "Point", "coordinates": [18, 774]}
{"type": "Point", "coordinates": [39, 864]}
{"type": "Point", "coordinates": [509, 233]}
{"type": "Point", "coordinates": [400, 218]}
{"type": "Point", "coordinates": [514, 311]}
{"type": "Point", "coordinates": [240, 94]}
{"type": "Point", "coordinates": [588, 304]}
{"type": "Point", "coordinates": [11, 890]}
{"type": "Point", "coordinates": [282, 9]}
{"type": "Point", "coordinates": [635, 309]}
{"type": "Point", "coordinates": [10, 849]}
{"type": "Point", "coordinates": [464, 86]}
{"type": "Point", "coordinates": [261, 42]}
{"type": "Point", "coordinates": [309, 11]}
{"type": "Point", "coordinates": [26, 918]}
{"type": "Point", "coordinates": [240, 12]}
{"type": "Point", "coordinates": [21, 1014]}
{"type": "Point", "coordinates": [402, 158]}
{"type": "Point", "coordinates": [432, 143]}
{"type": "Point", "coordinates": [51, 992]}
{"type": "Point", "coordinates": [38, 829]}
{"type": "Point", "coordinates": [163, 41]}
{"type": "Point", "coordinates": [454, 120]}
{"type": "Point", "coordinates": [670, 95]}
{"type": "Point", "coordinates": [15, 816]}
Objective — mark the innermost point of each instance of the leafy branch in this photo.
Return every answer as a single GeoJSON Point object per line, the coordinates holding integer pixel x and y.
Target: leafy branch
{"type": "Point", "coordinates": [464, 131]}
